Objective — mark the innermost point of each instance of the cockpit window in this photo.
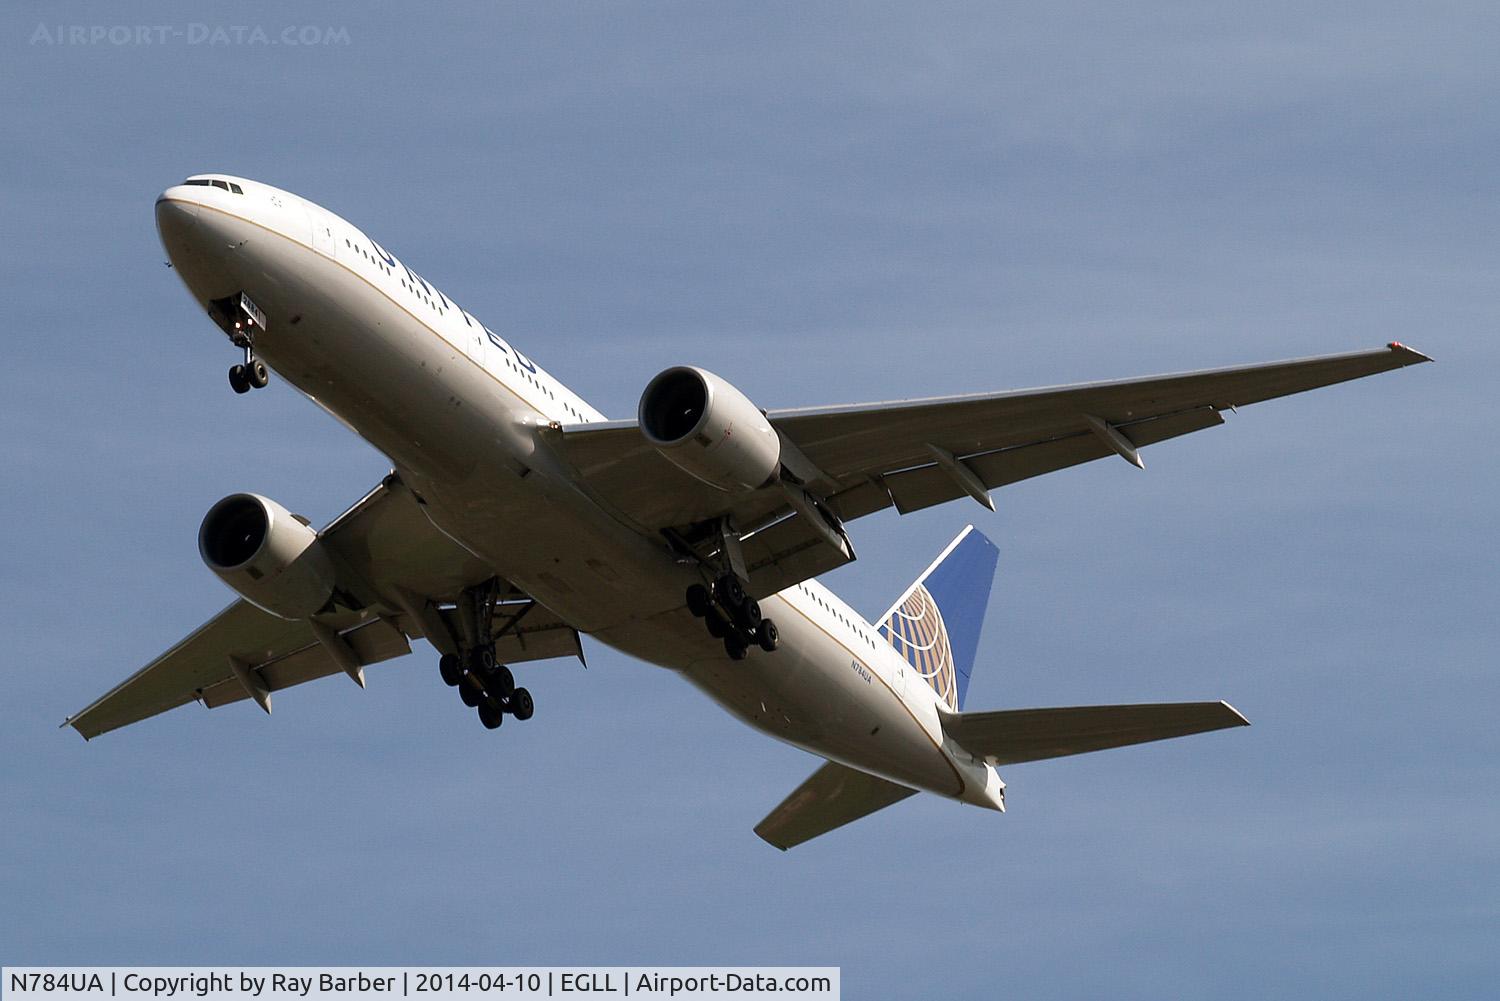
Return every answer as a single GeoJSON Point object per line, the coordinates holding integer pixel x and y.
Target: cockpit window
{"type": "Point", "coordinates": [204, 182]}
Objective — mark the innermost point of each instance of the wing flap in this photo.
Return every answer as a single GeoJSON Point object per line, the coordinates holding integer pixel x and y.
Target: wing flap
{"type": "Point", "coordinates": [520, 648]}
{"type": "Point", "coordinates": [525, 630]}
{"type": "Point", "coordinates": [1012, 736]}
{"type": "Point", "coordinates": [372, 641]}
{"type": "Point", "coordinates": [832, 796]}
{"type": "Point", "coordinates": [787, 553]}
{"type": "Point", "coordinates": [924, 486]}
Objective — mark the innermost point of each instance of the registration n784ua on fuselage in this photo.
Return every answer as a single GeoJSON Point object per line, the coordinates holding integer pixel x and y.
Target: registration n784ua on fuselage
{"type": "Point", "coordinates": [517, 517]}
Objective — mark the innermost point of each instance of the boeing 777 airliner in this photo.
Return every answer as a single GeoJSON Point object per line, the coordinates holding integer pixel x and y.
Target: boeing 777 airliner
{"type": "Point", "coordinates": [518, 517]}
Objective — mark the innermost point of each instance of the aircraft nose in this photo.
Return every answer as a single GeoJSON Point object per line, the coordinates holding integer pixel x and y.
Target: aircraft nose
{"type": "Point", "coordinates": [176, 215]}
{"type": "Point", "coordinates": [179, 225]}
{"type": "Point", "coordinates": [175, 207]}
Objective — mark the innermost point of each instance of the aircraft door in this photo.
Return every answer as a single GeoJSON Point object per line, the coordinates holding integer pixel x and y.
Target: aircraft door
{"type": "Point", "coordinates": [322, 231]}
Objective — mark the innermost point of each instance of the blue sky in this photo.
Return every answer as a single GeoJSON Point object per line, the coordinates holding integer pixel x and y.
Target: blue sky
{"type": "Point", "coordinates": [825, 204]}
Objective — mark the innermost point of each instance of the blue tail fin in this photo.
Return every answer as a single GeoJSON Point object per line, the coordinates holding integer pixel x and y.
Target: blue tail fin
{"type": "Point", "coordinates": [935, 625]}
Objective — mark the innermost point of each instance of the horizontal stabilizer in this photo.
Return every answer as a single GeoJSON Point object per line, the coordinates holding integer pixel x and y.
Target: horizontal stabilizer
{"type": "Point", "coordinates": [833, 796]}
{"type": "Point", "coordinates": [1012, 736]}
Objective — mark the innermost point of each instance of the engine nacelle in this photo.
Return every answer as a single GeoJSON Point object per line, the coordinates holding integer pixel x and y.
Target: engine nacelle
{"type": "Point", "coordinates": [709, 429]}
{"type": "Point", "coordinates": [269, 557]}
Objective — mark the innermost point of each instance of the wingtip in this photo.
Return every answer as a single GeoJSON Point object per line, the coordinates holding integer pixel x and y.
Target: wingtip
{"type": "Point", "coordinates": [1243, 721]}
{"type": "Point", "coordinates": [767, 839]}
{"type": "Point", "coordinates": [1412, 355]}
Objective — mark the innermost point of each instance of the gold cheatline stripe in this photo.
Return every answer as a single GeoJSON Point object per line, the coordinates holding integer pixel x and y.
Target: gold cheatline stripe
{"type": "Point", "coordinates": [384, 294]}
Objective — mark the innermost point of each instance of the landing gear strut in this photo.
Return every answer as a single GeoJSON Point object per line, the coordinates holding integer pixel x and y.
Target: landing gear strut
{"type": "Point", "coordinates": [733, 616]}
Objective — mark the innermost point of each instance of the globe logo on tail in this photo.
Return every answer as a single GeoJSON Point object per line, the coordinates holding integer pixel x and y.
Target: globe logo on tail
{"type": "Point", "coordinates": [916, 629]}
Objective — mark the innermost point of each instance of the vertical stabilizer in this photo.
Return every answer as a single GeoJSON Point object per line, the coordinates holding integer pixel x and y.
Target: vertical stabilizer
{"type": "Point", "coordinates": [935, 625]}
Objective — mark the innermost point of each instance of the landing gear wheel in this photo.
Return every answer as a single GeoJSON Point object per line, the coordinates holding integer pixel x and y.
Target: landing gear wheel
{"type": "Point", "coordinates": [470, 696]}
{"type": "Point", "coordinates": [500, 683]}
{"type": "Point", "coordinates": [731, 592]}
{"type": "Point", "coordinates": [749, 615]}
{"type": "Point", "coordinates": [698, 601]}
{"type": "Point", "coordinates": [482, 660]}
{"type": "Point", "coordinates": [491, 716]}
{"type": "Point", "coordinates": [256, 374]}
{"type": "Point", "coordinates": [735, 647]}
{"type": "Point", "coordinates": [238, 380]}
{"type": "Point", "coordinates": [521, 705]}
{"type": "Point", "coordinates": [451, 669]}
{"type": "Point", "coordinates": [716, 627]}
{"type": "Point", "coordinates": [768, 636]}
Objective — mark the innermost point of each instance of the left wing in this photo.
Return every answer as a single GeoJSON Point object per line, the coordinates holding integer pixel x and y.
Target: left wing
{"type": "Point", "coordinates": [911, 454]}
{"type": "Point", "coordinates": [404, 573]}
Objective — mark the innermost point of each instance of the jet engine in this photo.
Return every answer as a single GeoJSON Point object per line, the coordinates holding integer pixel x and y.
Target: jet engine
{"type": "Point", "coordinates": [269, 556]}
{"type": "Point", "coordinates": [709, 429]}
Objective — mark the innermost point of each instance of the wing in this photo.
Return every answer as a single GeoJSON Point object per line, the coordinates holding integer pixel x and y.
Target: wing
{"type": "Point", "coordinates": [832, 796]}
{"type": "Point", "coordinates": [855, 460]}
{"type": "Point", "coordinates": [1012, 736]}
{"type": "Point", "coordinates": [403, 574]}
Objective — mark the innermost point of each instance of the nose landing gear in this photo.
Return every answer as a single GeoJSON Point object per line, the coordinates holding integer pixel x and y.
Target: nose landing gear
{"type": "Point", "coordinates": [239, 317]}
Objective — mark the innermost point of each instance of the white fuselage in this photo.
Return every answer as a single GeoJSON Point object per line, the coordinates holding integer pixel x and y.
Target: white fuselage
{"type": "Point", "coordinates": [458, 410]}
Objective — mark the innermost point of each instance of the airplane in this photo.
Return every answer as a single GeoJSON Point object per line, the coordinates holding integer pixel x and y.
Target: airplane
{"type": "Point", "coordinates": [517, 517]}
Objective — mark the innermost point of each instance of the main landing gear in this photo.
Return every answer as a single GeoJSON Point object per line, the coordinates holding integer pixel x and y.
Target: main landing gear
{"type": "Point", "coordinates": [483, 683]}
{"type": "Point", "coordinates": [733, 616]}
{"type": "Point", "coordinates": [486, 686]}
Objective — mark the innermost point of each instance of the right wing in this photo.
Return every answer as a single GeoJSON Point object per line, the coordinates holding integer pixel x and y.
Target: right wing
{"type": "Point", "coordinates": [1011, 736]}
{"type": "Point", "coordinates": [911, 454]}
{"type": "Point", "coordinates": [402, 571]}
{"type": "Point", "coordinates": [833, 796]}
